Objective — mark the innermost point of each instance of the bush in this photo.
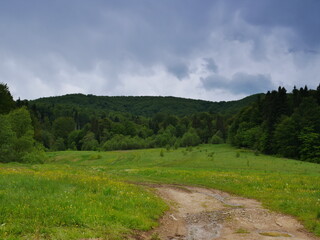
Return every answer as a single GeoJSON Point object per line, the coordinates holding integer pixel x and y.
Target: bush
{"type": "Point", "coordinates": [189, 149]}
{"type": "Point", "coordinates": [161, 153]}
{"type": "Point", "coordinates": [59, 145]}
{"type": "Point", "coordinates": [310, 145]}
{"type": "Point", "coordinates": [176, 144]}
{"type": "Point", "coordinates": [210, 154]}
{"type": "Point", "coordinates": [16, 138]}
{"type": "Point", "coordinates": [216, 140]}
{"type": "Point", "coordinates": [165, 138]}
{"type": "Point", "coordinates": [7, 138]}
{"type": "Point", "coordinates": [168, 147]}
{"type": "Point", "coordinates": [120, 142]}
{"type": "Point", "coordinates": [190, 138]}
{"type": "Point", "coordinates": [89, 143]}
{"type": "Point", "coordinates": [34, 157]}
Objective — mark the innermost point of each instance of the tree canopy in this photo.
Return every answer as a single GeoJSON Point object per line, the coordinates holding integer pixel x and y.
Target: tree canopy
{"type": "Point", "coordinates": [6, 101]}
{"type": "Point", "coordinates": [283, 124]}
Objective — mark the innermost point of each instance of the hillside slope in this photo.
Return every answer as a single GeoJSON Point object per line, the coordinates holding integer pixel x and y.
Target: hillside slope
{"type": "Point", "coordinates": [144, 105]}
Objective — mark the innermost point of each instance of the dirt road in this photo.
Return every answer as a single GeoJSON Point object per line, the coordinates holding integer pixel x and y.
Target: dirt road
{"type": "Point", "coordinates": [203, 214]}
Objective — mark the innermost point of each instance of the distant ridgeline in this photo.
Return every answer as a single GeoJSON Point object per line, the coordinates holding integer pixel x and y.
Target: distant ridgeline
{"type": "Point", "coordinates": [284, 124]}
{"type": "Point", "coordinates": [146, 106]}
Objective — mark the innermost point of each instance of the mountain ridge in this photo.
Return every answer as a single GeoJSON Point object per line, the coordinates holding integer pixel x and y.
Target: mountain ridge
{"type": "Point", "coordinates": [146, 105]}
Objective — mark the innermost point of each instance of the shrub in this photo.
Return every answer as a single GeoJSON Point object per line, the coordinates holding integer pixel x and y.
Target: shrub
{"type": "Point", "coordinates": [59, 145]}
{"type": "Point", "coordinates": [120, 142]}
{"type": "Point", "coordinates": [89, 143]}
{"type": "Point", "coordinates": [161, 153]}
{"type": "Point", "coordinates": [210, 154]}
{"type": "Point", "coordinates": [189, 149]}
{"type": "Point", "coordinates": [165, 138]}
{"type": "Point", "coordinates": [34, 157]}
{"type": "Point", "coordinates": [190, 138]}
{"type": "Point", "coordinates": [177, 144]}
{"type": "Point", "coordinates": [216, 140]}
{"type": "Point", "coordinates": [16, 138]}
{"type": "Point", "coordinates": [7, 138]}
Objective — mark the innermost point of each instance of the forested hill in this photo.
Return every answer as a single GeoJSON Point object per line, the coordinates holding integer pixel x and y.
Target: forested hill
{"type": "Point", "coordinates": [281, 123]}
{"type": "Point", "coordinates": [143, 106]}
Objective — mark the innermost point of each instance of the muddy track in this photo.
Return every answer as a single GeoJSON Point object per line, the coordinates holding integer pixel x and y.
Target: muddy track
{"type": "Point", "coordinates": [205, 214]}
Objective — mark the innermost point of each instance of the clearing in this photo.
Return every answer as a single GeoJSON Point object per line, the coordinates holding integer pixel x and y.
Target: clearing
{"type": "Point", "coordinates": [91, 195]}
{"type": "Point", "coordinates": [204, 214]}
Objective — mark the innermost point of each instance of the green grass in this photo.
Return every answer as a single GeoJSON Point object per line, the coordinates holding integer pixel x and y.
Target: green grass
{"type": "Point", "coordinates": [242, 231]}
{"type": "Point", "coordinates": [275, 234]}
{"type": "Point", "coordinates": [82, 179]}
{"type": "Point", "coordinates": [61, 205]}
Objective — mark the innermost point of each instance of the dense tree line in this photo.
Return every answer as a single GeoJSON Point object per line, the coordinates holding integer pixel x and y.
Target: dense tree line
{"type": "Point", "coordinates": [79, 129]}
{"type": "Point", "coordinates": [280, 123]}
{"type": "Point", "coordinates": [17, 143]}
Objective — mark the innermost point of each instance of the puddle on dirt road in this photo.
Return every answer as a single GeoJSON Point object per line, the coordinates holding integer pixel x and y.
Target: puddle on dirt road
{"type": "Point", "coordinates": [203, 226]}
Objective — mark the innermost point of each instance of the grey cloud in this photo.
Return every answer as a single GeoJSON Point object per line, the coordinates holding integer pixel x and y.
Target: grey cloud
{"type": "Point", "coordinates": [247, 83]}
{"type": "Point", "coordinates": [54, 41]}
{"type": "Point", "coordinates": [180, 70]}
{"type": "Point", "coordinates": [239, 83]}
{"type": "Point", "coordinates": [84, 32]}
{"type": "Point", "coordinates": [305, 51]}
{"type": "Point", "coordinates": [300, 16]}
{"type": "Point", "coordinates": [211, 65]}
{"type": "Point", "coordinates": [214, 81]}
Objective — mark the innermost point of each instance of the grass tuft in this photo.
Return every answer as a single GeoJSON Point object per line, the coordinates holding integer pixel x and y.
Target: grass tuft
{"type": "Point", "coordinates": [242, 231]}
{"type": "Point", "coordinates": [274, 234]}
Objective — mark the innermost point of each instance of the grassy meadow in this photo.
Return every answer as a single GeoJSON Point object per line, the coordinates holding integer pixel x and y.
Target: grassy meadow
{"type": "Point", "coordinates": [64, 203]}
{"type": "Point", "coordinates": [92, 194]}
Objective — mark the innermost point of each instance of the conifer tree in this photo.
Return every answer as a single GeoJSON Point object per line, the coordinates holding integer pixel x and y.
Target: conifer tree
{"type": "Point", "coordinates": [6, 100]}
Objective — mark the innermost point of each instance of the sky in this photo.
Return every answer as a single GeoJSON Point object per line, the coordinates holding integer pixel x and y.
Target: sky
{"type": "Point", "coordinates": [215, 50]}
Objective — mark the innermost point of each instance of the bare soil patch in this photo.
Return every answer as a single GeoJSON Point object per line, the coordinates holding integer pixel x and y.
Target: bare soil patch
{"type": "Point", "coordinates": [205, 214]}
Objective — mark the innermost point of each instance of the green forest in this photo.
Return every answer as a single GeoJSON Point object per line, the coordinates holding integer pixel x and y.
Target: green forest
{"type": "Point", "coordinates": [276, 123]}
{"type": "Point", "coordinates": [281, 124]}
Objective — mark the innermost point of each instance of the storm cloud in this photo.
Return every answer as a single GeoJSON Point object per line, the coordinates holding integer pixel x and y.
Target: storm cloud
{"type": "Point", "coordinates": [239, 83]}
{"type": "Point", "coordinates": [213, 50]}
